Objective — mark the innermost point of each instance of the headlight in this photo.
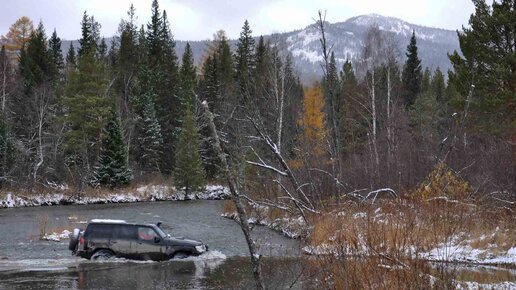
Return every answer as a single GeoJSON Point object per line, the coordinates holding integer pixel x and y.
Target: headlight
{"type": "Point", "coordinates": [200, 248]}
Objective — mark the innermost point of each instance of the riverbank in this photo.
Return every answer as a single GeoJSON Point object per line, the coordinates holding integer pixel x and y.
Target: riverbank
{"type": "Point", "coordinates": [144, 193]}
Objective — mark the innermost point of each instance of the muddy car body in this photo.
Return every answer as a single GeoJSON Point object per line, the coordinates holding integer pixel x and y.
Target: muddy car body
{"type": "Point", "coordinates": [108, 238]}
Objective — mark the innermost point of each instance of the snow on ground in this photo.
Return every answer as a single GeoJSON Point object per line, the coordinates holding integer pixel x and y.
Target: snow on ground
{"type": "Point", "coordinates": [56, 237]}
{"type": "Point", "coordinates": [493, 286]}
{"type": "Point", "coordinates": [465, 253]}
{"type": "Point", "coordinates": [142, 193]}
{"type": "Point", "coordinates": [293, 228]}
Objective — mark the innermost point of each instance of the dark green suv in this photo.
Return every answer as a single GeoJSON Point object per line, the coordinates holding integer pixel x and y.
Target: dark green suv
{"type": "Point", "coordinates": [117, 238]}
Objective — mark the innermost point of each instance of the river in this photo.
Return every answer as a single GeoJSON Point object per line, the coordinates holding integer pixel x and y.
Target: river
{"type": "Point", "coordinates": [26, 262]}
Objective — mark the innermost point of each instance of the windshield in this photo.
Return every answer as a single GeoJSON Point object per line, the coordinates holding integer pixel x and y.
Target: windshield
{"type": "Point", "coordinates": [160, 232]}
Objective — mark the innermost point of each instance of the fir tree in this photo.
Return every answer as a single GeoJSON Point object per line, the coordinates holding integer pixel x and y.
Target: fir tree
{"type": "Point", "coordinates": [189, 173]}
{"type": "Point", "coordinates": [411, 73]}
{"type": "Point", "coordinates": [112, 169]}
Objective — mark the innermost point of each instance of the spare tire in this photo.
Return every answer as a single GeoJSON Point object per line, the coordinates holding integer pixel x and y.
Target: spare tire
{"type": "Point", "coordinates": [74, 239]}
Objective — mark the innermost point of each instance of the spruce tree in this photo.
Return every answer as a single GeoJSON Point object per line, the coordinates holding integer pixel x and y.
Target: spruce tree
{"type": "Point", "coordinates": [112, 169]}
{"type": "Point", "coordinates": [149, 142]}
{"type": "Point", "coordinates": [245, 59]}
{"type": "Point", "coordinates": [90, 34]}
{"type": "Point", "coordinates": [188, 78]}
{"type": "Point", "coordinates": [411, 75]}
{"type": "Point", "coordinates": [71, 60]}
{"type": "Point", "coordinates": [56, 56]}
{"type": "Point", "coordinates": [189, 173]}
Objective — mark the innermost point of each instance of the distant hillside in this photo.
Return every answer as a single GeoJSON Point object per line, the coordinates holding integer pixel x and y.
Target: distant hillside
{"type": "Point", "coordinates": [347, 37]}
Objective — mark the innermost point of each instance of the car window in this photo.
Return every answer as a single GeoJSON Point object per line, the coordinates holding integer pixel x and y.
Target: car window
{"type": "Point", "coordinates": [146, 233]}
{"type": "Point", "coordinates": [125, 232]}
{"type": "Point", "coordinates": [99, 231]}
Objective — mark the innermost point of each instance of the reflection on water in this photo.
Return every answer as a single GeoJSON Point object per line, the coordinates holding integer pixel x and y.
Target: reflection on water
{"type": "Point", "coordinates": [192, 273]}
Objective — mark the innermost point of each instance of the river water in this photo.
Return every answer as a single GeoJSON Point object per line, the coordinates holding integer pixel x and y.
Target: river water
{"type": "Point", "coordinates": [26, 262]}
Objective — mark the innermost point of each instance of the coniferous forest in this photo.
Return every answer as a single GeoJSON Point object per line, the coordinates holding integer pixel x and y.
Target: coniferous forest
{"type": "Point", "coordinates": [381, 157]}
{"type": "Point", "coordinates": [103, 115]}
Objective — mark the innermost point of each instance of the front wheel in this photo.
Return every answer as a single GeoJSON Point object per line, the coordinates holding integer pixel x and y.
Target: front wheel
{"type": "Point", "coordinates": [102, 255]}
{"type": "Point", "coordinates": [181, 255]}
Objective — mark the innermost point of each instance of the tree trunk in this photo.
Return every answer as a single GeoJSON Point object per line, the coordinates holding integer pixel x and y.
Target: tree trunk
{"type": "Point", "coordinates": [237, 199]}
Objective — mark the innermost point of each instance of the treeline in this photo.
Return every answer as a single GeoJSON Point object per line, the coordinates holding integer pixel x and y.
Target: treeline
{"type": "Point", "coordinates": [106, 115]}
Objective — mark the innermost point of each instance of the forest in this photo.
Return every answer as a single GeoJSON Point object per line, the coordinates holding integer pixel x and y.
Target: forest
{"type": "Point", "coordinates": [384, 127]}
{"type": "Point", "coordinates": [94, 116]}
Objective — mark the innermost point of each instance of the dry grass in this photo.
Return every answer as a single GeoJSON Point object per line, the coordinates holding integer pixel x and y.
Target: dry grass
{"type": "Point", "coordinates": [229, 207]}
{"type": "Point", "coordinates": [373, 246]}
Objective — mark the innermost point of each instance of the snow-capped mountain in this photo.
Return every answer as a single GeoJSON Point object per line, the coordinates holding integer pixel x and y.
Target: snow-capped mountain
{"type": "Point", "coordinates": [347, 40]}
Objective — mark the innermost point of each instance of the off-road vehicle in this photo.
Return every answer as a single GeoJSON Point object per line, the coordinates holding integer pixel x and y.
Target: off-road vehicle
{"type": "Point", "coordinates": [104, 238]}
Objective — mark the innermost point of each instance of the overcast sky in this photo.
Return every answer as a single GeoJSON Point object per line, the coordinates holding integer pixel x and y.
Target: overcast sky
{"type": "Point", "coordinates": [199, 19]}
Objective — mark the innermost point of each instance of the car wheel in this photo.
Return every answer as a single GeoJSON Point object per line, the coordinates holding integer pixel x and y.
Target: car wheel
{"type": "Point", "coordinates": [74, 239]}
{"type": "Point", "coordinates": [181, 255]}
{"type": "Point", "coordinates": [102, 255]}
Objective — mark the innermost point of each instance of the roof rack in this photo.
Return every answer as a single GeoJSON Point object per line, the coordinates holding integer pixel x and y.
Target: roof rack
{"type": "Point", "coordinates": [108, 221]}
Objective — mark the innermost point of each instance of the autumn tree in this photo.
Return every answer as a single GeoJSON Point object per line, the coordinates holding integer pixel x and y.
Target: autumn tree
{"type": "Point", "coordinates": [19, 33]}
{"type": "Point", "coordinates": [313, 122]}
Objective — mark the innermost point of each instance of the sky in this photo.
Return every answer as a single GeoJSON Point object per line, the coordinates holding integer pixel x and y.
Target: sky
{"type": "Point", "coordinates": [200, 19]}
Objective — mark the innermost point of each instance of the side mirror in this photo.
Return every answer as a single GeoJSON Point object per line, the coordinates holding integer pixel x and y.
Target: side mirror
{"type": "Point", "coordinates": [157, 240]}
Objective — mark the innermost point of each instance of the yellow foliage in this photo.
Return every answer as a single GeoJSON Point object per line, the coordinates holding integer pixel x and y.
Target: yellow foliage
{"type": "Point", "coordinates": [19, 33]}
{"type": "Point", "coordinates": [443, 182]}
{"type": "Point", "coordinates": [312, 121]}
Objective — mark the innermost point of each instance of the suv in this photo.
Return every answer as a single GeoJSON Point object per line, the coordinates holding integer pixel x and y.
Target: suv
{"type": "Point", "coordinates": [108, 238]}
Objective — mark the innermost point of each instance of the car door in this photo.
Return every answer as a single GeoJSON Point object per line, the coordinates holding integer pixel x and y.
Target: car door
{"type": "Point", "coordinates": [123, 241]}
{"type": "Point", "coordinates": [149, 245]}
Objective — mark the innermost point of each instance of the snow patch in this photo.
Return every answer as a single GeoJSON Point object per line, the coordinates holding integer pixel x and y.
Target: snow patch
{"type": "Point", "coordinates": [142, 193]}
{"type": "Point", "coordinates": [56, 237]}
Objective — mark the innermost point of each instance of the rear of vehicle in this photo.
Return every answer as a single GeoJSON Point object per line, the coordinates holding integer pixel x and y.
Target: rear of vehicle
{"type": "Point", "coordinates": [96, 237]}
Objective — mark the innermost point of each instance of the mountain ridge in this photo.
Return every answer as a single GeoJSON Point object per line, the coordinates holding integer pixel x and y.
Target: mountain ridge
{"type": "Point", "coordinates": [346, 38]}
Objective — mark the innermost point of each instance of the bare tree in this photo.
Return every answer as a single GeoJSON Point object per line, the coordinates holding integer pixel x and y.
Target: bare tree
{"type": "Point", "coordinates": [236, 197]}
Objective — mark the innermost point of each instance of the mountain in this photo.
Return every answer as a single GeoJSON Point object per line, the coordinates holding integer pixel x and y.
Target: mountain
{"type": "Point", "coordinates": [347, 41]}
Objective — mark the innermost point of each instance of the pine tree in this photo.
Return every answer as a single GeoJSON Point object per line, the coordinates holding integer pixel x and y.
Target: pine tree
{"type": "Point", "coordinates": [189, 173]}
{"type": "Point", "coordinates": [487, 62]}
{"type": "Point", "coordinates": [411, 76]}
{"type": "Point", "coordinates": [112, 169]}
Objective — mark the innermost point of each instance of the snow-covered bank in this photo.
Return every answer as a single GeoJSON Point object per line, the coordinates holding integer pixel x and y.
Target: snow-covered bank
{"type": "Point", "coordinates": [293, 228]}
{"type": "Point", "coordinates": [140, 194]}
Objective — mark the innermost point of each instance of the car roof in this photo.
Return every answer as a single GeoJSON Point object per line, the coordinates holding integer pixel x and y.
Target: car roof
{"type": "Point", "coordinates": [121, 222]}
